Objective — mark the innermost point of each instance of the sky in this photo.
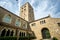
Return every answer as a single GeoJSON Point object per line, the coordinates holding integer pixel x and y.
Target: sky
{"type": "Point", "coordinates": [42, 8]}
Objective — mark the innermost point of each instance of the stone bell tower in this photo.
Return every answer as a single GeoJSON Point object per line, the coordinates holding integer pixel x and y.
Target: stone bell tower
{"type": "Point", "coordinates": [26, 12]}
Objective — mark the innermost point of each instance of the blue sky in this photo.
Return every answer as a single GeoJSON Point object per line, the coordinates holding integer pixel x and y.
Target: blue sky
{"type": "Point", "coordinates": [42, 8]}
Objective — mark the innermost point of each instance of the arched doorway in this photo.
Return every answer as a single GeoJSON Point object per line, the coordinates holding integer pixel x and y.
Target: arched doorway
{"type": "Point", "coordinates": [45, 33]}
{"type": "Point", "coordinates": [8, 32]}
{"type": "Point", "coordinates": [3, 32]}
{"type": "Point", "coordinates": [11, 33]}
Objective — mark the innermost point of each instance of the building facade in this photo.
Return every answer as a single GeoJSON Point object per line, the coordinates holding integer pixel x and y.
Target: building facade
{"type": "Point", "coordinates": [13, 25]}
{"type": "Point", "coordinates": [45, 28]}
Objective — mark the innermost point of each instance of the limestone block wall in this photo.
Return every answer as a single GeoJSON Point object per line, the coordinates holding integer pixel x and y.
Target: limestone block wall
{"type": "Point", "coordinates": [50, 24]}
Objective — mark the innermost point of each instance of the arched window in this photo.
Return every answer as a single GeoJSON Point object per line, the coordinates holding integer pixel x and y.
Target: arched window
{"type": "Point", "coordinates": [7, 19]}
{"type": "Point", "coordinates": [3, 32]}
{"type": "Point", "coordinates": [11, 33]}
{"type": "Point", "coordinates": [17, 23]}
{"type": "Point", "coordinates": [25, 26]}
{"type": "Point", "coordinates": [8, 32]}
{"type": "Point", "coordinates": [45, 33]}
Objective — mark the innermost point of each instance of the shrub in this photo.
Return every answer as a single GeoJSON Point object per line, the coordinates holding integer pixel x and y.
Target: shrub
{"type": "Point", "coordinates": [54, 38]}
{"type": "Point", "coordinates": [8, 38]}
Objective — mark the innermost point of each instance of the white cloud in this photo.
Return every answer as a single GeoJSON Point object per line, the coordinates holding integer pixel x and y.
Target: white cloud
{"type": "Point", "coordinates": [57, 15]}
{"type": "Point", "coordinates": [2, 3]}
{"type": "Point", "coordinates": [39, 10]}
{"type": "Point", "coordinates": [9, 6]}
{"type": "Point", "coordinates": [32, 2]}
{"type": "Point", "coordinates": [6, 5]}
{"type": "Point", "coordinates": [42, 9]}
{"type": "Point", "coordinates": [17, 13]}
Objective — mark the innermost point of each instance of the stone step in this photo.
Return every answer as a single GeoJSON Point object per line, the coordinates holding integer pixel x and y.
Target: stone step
{"type": "Point", "coordinates": [46, 39]}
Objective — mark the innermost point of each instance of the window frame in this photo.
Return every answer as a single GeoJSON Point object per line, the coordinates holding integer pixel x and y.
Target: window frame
{"type": "Point", "coordinates": [58, 24]}
{"type": "Point", "coordinates": [25, 26]}
{"type": "Point", "coordinates": [18, 24]}
{"type": "Point", "coordinates": [5, 17]}
{"type": "Point", "coordinates": [33, 24]}
{"type": "Point", "coordinates": [42, 22]}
